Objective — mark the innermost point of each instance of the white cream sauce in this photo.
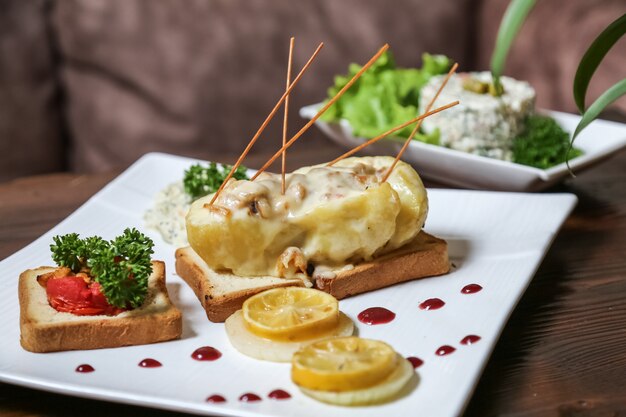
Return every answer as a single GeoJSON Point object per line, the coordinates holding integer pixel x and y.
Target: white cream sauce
{"type": "Point", "coordinates": [305, 189]}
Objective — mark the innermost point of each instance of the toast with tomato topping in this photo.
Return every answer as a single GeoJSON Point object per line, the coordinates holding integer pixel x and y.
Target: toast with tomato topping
{"type": "Point", "coordinates": [44, 329]}
{"type": "Point", "coordinates": [221, 294]}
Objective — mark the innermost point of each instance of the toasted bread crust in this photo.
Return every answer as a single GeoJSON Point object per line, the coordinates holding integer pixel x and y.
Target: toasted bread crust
{"type": "Point", "coordinates": [43, 329]}
{"type": "Point", "coordinates": [218, 306]}
{"type": "Point", "coordinates": [424, 257]}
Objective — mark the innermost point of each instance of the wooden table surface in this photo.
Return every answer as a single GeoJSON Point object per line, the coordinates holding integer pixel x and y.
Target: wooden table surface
{"type": "Point", "coordinates": [562, 353]}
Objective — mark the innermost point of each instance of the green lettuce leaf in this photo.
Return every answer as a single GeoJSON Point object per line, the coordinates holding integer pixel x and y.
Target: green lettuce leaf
{"type": "Point", "coordinates": [384, 96]}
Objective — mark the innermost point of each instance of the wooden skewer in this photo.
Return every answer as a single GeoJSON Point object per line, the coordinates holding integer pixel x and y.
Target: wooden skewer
{"type": "Point", "coordinates": [392, 130]}
{"type": "Point", "coordinates": [266, 122]}
{"type": "Point", "coordinates": [321, 111]}
{"type": "Point", "coordinates": [417, 126]}
{"type": "Point", "coordinates": [285, 117]}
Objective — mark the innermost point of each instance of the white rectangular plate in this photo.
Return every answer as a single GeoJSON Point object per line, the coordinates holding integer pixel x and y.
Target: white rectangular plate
{"type": "Point", "coordinates": [497, 240]}
{"type": "Point", "coordinates": [448, 166]}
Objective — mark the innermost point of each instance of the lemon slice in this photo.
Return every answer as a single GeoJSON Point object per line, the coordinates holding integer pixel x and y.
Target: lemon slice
{"type": "Point", "coordinates": [398, 383]}
{"type": "Point", "coordinates": [343, 364]}
{"type": "Point", "coordinates": [290, 313]}
{"type": "Point", "coordinates": [266, 349]}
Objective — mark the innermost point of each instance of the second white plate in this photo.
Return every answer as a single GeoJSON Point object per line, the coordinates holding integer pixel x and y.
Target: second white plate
{"type": "Point", "coordinates": [448, 166]}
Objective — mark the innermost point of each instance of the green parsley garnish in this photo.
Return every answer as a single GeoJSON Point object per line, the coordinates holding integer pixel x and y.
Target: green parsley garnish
{"type": "Point", "coordinates": [121, 266]}
{"type": "Point", "coordinates": [203, 180]}
{"type": "Point", "coordinates": [543, 144]}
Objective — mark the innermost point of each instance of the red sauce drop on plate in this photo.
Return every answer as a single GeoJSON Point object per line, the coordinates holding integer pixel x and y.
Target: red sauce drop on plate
{"type": "Point", "coordinates": [150, 363]}
{"type": "Point", "coordinates": [216, 398]}
{"type": "Point", "coordinates": [470, 339]}
{"type": "Point", "coordinates": [249, 398]}
{"type": "Point", "coordinates": [376, 315]}
{"type": "Point", "coordinates": [206, 353]}
{"type": "Point", "coordinates": [84, 368]}
{"type": "Point", "coordinates": [416, 362]}
{"type": "Point", "coordinates": [279, 394]}
{"type": "Point", "coordinates": [444, 350]}
{"type": "Point", "coordinates": [432, 304]}
{"type": "Point", "coordinates": [471, 289]}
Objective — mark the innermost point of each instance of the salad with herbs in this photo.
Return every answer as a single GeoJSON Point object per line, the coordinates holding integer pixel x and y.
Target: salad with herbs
{"type": "Point", "coordinates": [503, 125]}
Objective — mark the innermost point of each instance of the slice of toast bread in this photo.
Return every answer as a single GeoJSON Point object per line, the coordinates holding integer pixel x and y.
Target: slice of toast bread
{"type": "Point", "coordinates": [221, 294]}
{"type": "Point", "coordinates": [44, 329]}
{"type": "Point", "coordinates": [425, 256]}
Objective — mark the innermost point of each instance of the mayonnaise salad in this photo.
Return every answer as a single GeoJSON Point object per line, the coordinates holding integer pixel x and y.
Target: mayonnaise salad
{"type": "Point", "coordinates": [482, 124]}
{"type": "Point", "coordinates": [167, 215]}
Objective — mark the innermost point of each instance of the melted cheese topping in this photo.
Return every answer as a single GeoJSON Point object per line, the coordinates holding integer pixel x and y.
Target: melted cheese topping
{"type": "Point", "coordinates": [328, 216]}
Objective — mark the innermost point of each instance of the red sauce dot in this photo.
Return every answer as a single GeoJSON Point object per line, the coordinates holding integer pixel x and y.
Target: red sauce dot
{"type": "Point", "coordinates": [150, 363]}
{"type": "Point", "coordinates": [84, 368]}
{"type": "Point", "coordinates": [279, 394]}
{"type": "Point", "coordinates": [376, 315]}
{"type": "Point", "coordinates": [215, 398]}
{"type": "Point", "coordinates": [416, 362]}
{"type": "Point", "coordinates": [444, 350]}
{"type": "Point", "coordinates": [470, 339]}
{"type": "Point", "coordinates": [432, 304]}
{"type": "Point", "coordinates": [471, 289]}
{"type": "Point", "coordinates": [249, 398]}
{"type": "Point", "coordinates": [206, 353]}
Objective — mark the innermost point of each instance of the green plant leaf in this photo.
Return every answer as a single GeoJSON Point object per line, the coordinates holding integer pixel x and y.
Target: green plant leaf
{"type": "Point", "coordinates": [592, 58]}
{"type": "Point", "coordinates": [609, 96]}
{"type": "Point", "coordinates": [509, 27]}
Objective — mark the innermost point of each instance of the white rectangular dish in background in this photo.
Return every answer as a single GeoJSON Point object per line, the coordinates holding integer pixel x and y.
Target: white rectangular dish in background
{"type": "Point", "coordinates": [496, 240]}
{"type": "Point", "coordinates": [448, 166]}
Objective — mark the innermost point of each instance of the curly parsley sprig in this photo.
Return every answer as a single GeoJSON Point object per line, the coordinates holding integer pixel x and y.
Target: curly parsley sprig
{"type": "Point", "coordinates": [69, 251]}
{"type": "Point", "coordinates": [121, 266]}
{"type": "Point", "coordinates": [203, 180]}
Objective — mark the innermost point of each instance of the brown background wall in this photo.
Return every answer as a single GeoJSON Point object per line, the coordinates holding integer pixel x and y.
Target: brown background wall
{"type": "Point", "coordinates": [91, 85]}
